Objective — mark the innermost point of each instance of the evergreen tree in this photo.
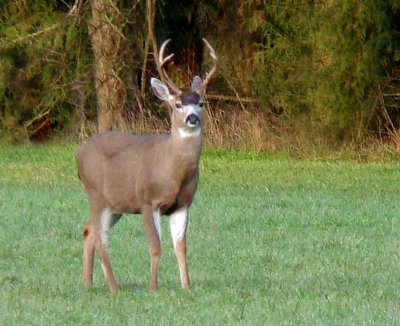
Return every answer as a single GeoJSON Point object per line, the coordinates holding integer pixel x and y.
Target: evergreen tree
{"type": "Point", "coordinates": [324, 59]}
{"type": "Point", "coordinates": [43, 54]}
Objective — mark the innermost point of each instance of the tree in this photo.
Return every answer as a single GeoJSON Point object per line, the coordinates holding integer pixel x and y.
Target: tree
{"type": "Point", "coordinates": [109, 49]}
{"type": "Point", "coordinates": [325, 60]}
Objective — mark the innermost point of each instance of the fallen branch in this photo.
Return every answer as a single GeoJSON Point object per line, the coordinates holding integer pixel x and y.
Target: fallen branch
{"type": "Point", "coordinates": [38, 127]}
{"type": "Point", "coordinates": [43, 115]}
{"type": "Point", "coordinates": [41, 131]}
{"type": "Point", "coordinates": [392, 95]}
{"type": "Point", "coordinates": [231, 98]}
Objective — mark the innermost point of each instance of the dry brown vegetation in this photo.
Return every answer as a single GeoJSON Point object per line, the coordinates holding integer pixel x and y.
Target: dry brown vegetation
{"type": "Point", "coordinates": [307, 77]}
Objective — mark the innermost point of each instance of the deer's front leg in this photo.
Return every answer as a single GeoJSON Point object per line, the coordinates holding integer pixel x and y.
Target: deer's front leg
{"type": "Point", "coordinates": [178, 226]}
{"type": "Point", "coordinates": [153, 233]}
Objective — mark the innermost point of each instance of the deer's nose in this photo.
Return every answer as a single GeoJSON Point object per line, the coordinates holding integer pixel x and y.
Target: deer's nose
{"type": "Point", "coordinates": [192, 120]}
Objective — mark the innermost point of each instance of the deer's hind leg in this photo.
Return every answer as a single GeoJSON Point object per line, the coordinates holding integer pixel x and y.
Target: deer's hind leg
{"type": "Point", "coordinates": [96, 238]}
{"type": "Point", "coordinates": [151, 219]}
{"type": "Point", "coordinates": [88, 254]}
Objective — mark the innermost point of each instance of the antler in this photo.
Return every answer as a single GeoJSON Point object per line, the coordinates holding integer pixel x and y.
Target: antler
{"type": "Point", "coordinates": [162, 62]}
{"type": "Point", "coordinates": [206, 80]}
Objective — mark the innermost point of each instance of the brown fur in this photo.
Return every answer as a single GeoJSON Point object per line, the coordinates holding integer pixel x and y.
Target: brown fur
{"type": "Point", "coordinates": [136, 174]}
{"type": "Point", "coordinates": [124, 173]}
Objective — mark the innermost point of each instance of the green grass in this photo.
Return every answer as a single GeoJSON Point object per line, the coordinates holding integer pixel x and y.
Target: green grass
{"type": "Point", "coordinates": [272, 241]}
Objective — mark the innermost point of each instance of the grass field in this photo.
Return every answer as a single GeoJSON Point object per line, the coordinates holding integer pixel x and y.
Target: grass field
{"type": "Point", "coordinates": [272, 241]}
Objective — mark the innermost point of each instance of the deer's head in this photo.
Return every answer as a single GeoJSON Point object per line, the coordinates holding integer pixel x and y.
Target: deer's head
{"type": "Point", "coordinates": [186, 108]}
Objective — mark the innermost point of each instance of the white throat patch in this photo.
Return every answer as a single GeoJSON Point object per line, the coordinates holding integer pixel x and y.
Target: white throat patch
{"type": "Point", "coordinates": [185, 132]}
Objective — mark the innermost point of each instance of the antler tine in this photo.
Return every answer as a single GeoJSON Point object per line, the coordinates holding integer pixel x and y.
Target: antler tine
{"type": "Point", "coordinates": [213, 69]}
{"type": "Point", "coordinates": [162, 62]}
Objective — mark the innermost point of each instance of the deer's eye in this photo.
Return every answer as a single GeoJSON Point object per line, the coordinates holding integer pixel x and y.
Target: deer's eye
{"type": "Point", "coordinates": [178, 105]}
{"type": "Point", "coordinates": [201, 104]}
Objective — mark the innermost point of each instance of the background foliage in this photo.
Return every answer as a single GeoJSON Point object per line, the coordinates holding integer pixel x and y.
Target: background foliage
{"type": "Point", "coordinates": [329, 69]}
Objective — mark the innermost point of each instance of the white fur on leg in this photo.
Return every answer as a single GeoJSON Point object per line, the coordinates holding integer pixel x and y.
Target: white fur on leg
{"type": "Point", "coordinates": [157, 222]}
{"type": "Point", "coordinates": [103, 268]}
{"type": "Point", "coordinates": [177, 224]}
{"type": "Point", "coordinates": [105, 222]}
{"type": "Point", "coordinates": [105, 225]}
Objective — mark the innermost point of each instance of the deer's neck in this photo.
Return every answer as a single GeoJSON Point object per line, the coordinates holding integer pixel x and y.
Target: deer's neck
{"type": "Point", "coordinates": [186, 149]}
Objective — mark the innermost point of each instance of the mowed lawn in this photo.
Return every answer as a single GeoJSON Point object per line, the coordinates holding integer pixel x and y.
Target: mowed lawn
{"type": "Point", "coordinates": [272, 240]}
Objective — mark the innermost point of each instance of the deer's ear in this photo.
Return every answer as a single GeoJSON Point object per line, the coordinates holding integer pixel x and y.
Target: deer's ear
{"type": "Point", "coordinates": [160, 89]}
{"type": "Point", "coordinates": [195, 86]}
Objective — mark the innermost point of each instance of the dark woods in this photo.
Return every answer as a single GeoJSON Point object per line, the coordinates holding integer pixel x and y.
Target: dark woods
{"type": "Point", "coordinates": [290, 71]}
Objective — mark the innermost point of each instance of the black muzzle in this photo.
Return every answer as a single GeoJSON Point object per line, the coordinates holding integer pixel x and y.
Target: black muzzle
{"type": "Point", "coordinates": [192, 120]}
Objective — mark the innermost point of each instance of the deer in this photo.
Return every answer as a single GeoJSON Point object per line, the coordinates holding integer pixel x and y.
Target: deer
{"type": "Point", "coordinates": [151, 175]}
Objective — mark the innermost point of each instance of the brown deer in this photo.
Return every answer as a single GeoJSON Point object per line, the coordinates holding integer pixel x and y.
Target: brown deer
{"type": "Point", "coordinates": [152, 175]}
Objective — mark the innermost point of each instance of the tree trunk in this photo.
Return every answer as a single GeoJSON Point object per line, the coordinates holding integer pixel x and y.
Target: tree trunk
{"type": "Point", "coordinates": [109, 46]}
